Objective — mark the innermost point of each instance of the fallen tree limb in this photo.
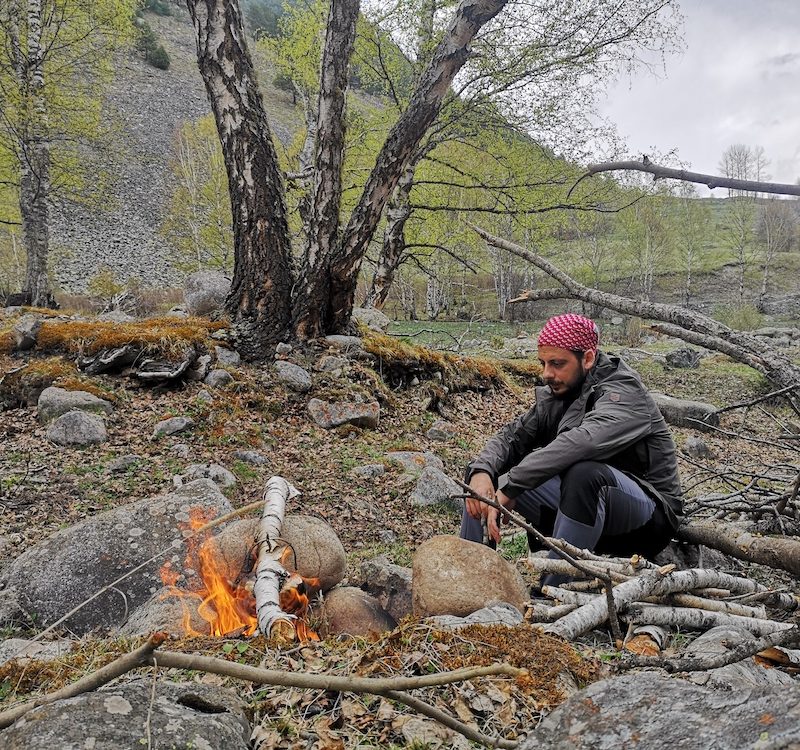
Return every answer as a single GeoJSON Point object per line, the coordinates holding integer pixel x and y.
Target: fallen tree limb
{"type": "Point", "coordinates": [698, 619]}
{"type": "Point", "coordinates": [686, 324]}
{"type": "Point", "coordinates": [566, 568]}
{"type": "Point", "coordinates": [669, 173]}
{"type": "Point", "coordinates": [102, 676]}
{"type": "Point", "coordinates": [776, 552]}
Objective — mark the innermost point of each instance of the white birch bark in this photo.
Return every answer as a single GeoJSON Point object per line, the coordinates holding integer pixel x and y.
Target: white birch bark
{"type": "Point", "coordinates": [699, 619]}
{"type": "Point", "coordinates": [269, 571]}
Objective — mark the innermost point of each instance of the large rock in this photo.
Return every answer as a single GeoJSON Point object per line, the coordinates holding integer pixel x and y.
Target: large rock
{"type": "Point", "coordinates": [349, 610]}
{"type": "Point", "coordinates": [330, 415]}
{"type": "Point", "coordinates": [23, 649]}
{"type": "Point", "coordinates": [166, 612]}
{"type": "Point", "coordinates": [205, 292]}
{"type": "Point", "coordinates": [316, 549]}
{"type": "Point", "coordinates": [122, 717]}
{"type": "Point", "coordinates": [390, 584]}
{"type": "Point", "coordinates": [682, 413]}
{"type": "Point", "coordinates": [25, 331]}
{"type": "Point", "coordinates": [53, 402]}
{"type": "Point", "coordinates": [293, 376]}
{"type": "Point", "coordinates": [452, 576]}
{"type": "Point", "coordinates": [434, 487]}
{"type": "Point", "coordinates": [216, 473]}
{"type": "Point", "coordinates": [649, 711]}
{"type": "Point", "coordinates": [77, 428]}
{"type": "Point", "coordinates": [684, 358]}
{"type": "Point", "coordinates": [373, 319]}
{"type": "Point", "coordinates": [348, 344]}
{"type": "Point", "coordinates": [499, 613]}
{"type": "Point", "coordinates": [172, 426]}
{"type": "Point", "coordinates": [64, 570]}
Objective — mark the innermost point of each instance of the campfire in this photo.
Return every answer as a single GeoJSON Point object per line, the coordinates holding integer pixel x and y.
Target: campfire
{"type": "Point", "coordinates": [231, 606]}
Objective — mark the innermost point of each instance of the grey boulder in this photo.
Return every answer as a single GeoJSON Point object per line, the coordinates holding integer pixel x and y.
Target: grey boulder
{"type": "Point", "coordinates": [293, 376]}
{"type": "Point", "coordinates": [25, 331]}
{"type": "Point", "coordinates": [253, 458]}
{"type": "Point", "coordinates": [218, 378]}
{"type": "Point", "coordinates": [182, 715]}
{"type": "Point", "coordinates": [441, 430]}
{"type": "Point", "coordinates": [172, 426]}
{"type": "Point", "coordinates": [434, 487]}
{"type": "Point", "coordinates": [414, 462]}
{"type": "Point", "coordinates": [52, 577]}
{"type": "Point", "coordinates": [373, 319]}
{"type": "Point", "coordinates": [329, 415]}
{"type": "Point", "coordinates": [77, 428]}
{"type": "Point", "coordinates": [53, 402]}
{"type": "Point", "coordinates": [216, 473]}
{"type": "Point", "coordinates": [684, 358]}
{"type": "Point", "coordinates": [650, 711]}
{"type": "Point", "coordinates": [498, 613]}
{"type": "Point", "coordinates": [227, 356]}
{"type": "Point", "coordinates": [390, 584]}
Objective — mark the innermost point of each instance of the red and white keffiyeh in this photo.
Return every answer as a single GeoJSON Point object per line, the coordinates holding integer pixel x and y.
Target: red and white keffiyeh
{"type": "Point", "coordinates": [570, 331]}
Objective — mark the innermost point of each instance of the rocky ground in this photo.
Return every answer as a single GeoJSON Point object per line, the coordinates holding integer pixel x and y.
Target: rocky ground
{"type": "Point", "coordinates": [262, 409]}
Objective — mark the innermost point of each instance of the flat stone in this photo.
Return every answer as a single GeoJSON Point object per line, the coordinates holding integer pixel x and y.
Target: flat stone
{"type": "Point", "coordinates": [332, 364]}
{"type": "Point", "coordinates": [684, 413]}
{"type": "Point", "coordinates": [293, 376]}
{"type": "Point", "coordinates": [346, 343]}
{"type": "Point", "coordinates": [330, 415]}
{"type": "Point", "coordinates": [696, 447]}
{"type": "Point", "coordinates": [216, 473]}
{"type": "Point", "coordinates": [176, 715]}
{"type": "Point", "coordinates": [27, 650]}
{"type": "Point", "coordinates": [373, 319]}
{"type": "Point", "coordinates": [441, 430]}
{"type": "Point", "coordinates": [415, 461]}
{"type": "Point", "coordinates": [685, 357]}
{"type": "Point", "coordinates": [499, 613]}
{"type": "Point", "coordinates": [251, 457]}
{"type": "Point", "coordinates": [53, 402]}
{"type": "Point", "coordinates": [369, 471]}
{"type": "Point", "coordinates": [172, 426]}
{"type": "Point", "coordinates": [77, 428]}
{"type": "Point", "coordinates": [218, 378]}
{"type": "Point", "coordinates": [123, 463]}
{"type": "Point", "coordinates": [283, 348]}
{"type": "Point", "coordinates": [116, 316]}
{"type": "Point", "coordinates": [647, 710]}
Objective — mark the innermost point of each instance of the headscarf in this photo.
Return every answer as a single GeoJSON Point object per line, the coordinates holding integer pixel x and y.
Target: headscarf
{"type": "Point", "coordinates": [570, 331]}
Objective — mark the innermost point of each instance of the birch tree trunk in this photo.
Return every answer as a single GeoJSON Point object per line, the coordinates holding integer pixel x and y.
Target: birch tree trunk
{"type": "Point", "coordinates": [450, 55]}
{"type": "Point", "coordinates": [260, 299]}
{"type": "Point", "coordinates": [35, 165]}
{"type": "Point", "coordinates": [394, 242]}
{"type": "Point", "coordinates": [311, 314]}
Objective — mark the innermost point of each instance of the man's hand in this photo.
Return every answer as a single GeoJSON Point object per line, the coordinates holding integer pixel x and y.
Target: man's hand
{"type": "Point", "coordinates": [493, 517]}
{"type": "Point", "coordinates": [481, 482]}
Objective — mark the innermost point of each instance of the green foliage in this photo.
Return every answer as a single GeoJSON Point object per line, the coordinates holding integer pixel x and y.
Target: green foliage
{"type": "Point", "coordinates": [263, 16]}
{"type": "Point", "coordinates": [147, 43]}
{"type": "Point", "coordinates": [198, 223]}
{"type": "Point", "coordinates": [740, 317]}
{"type": "Point", "coordinates": [104, 284]}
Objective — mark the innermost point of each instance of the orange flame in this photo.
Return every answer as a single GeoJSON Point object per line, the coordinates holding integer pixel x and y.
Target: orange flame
{"type": "Point", "coordinates": [230, 607]}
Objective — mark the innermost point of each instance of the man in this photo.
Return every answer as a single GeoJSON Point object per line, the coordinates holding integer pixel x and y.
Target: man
{"type": "Point", "coordinates": [592, 462]}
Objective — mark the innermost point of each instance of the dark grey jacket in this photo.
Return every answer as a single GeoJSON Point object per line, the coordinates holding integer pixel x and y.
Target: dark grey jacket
{"type": "Point", "coordinates": [614, 420]}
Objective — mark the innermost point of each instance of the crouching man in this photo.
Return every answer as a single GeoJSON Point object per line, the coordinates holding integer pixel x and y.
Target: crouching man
{"type": "Point", "coordinates": [592, 462]}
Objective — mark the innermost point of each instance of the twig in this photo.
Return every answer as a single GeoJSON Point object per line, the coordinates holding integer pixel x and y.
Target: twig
{"type": "Point", "coordinates": [102, 676]}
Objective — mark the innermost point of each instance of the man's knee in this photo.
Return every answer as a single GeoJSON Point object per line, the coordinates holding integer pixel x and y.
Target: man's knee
{"type": "Point", "coordinates": [582, 488]}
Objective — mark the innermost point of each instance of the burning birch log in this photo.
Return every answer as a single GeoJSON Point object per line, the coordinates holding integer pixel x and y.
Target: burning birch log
{"type": "Point", "coordinates": [269, 570]}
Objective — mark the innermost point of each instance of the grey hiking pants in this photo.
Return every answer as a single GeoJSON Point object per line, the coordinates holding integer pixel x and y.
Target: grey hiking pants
{"type": "Point", "coordinates": [593, 506]}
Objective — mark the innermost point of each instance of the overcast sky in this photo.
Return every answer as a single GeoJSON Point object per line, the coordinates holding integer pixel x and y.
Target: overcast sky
{"type": "Point", "coordinates": [737, 81]}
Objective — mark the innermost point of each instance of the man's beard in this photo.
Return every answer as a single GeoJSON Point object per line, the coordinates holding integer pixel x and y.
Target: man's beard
{"type": "Point", "coordinates": [573, 389]}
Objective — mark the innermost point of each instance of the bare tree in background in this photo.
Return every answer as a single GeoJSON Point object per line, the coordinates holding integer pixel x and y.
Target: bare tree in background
{"type": "Point", "coordinates": [776, 227]}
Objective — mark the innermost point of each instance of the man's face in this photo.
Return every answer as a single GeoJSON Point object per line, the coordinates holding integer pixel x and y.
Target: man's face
{"type": "Point", "coordinates": [564, 371]}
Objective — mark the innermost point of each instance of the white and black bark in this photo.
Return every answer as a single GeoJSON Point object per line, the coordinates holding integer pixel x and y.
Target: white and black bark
{"type": "Point", "coordinates": [311, 313]}
{"type": "Point", "coordinates": [34, 147]}
{"type": "Point", "coordinates": [404, 138]}
{"type": "Point", "coordinates": [260, 299]}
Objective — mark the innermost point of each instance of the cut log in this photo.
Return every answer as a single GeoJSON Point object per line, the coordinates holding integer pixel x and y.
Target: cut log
{"type": "Point", "coordinates": [269, 570]}
{"type": "Point", "coordinates": [698, 619]}
{"type": "Point", "coordinates": [776, 552]}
